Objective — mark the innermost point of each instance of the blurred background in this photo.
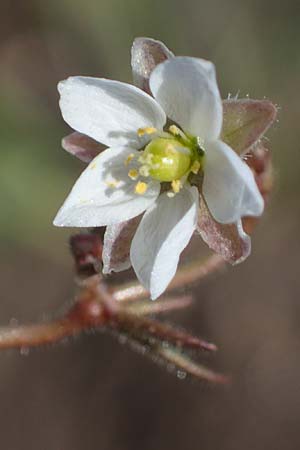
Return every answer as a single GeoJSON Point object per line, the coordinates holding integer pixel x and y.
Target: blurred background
{"type": "Point", "coordinates": [92, 393]}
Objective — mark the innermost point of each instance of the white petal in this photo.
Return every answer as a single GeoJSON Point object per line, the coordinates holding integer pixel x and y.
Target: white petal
{"type": "Point", "coordinates": [163, 233]}
{"type": "Point", "coordinates": [104, 194]}
{"type": "Point", "coordinates": [187, 90]}
{"type": "Point", "coordinates": [229, 186]}
{"type": "Point", "coordinates": [108, 111]}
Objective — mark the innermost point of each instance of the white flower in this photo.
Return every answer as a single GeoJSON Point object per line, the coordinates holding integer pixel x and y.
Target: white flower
{"type": "Point", "coordinates": [149, 170]}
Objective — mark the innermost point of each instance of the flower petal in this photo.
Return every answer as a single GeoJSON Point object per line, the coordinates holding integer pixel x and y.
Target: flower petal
{"type": "Point", "coordinates": [146, 54]}
{"type": "Point", "coordinates": [104, 194]}
{"type": "Point", "coordinates": [116, 245]}
{"type": "Point", "coordinates": [229, 187]}
{"type": "Point", "coordinates": [228, 240]}
{"type": "Point", "coordinates": [82, 146]}
{"type": "Point", "coordinates": [245, 121]}
{"type": "Point", "coordinates": [163, 233]}
{"type": "Point", "coordinates": [187, 90]}
{"type": "Point", "coordinates": [108, 111]}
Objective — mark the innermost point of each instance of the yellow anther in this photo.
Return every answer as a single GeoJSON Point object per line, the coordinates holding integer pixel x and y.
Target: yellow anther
{"type": "Point", "coordinates": [144, 171]}
{"type": "Point", "coordinates": [133, 174]}
{"type": "Point", "coordinates": [146, 158]}
{"type": "Point", "coordinates": [146, 130]}
{"type": "Point", "coordinates": [195, 167]}
{"type": "Point", "coordinates": [175, 130]}
{"type": "Point", "coordinates": [140, 188]}
{"type": "Point", "coordinates": [176, 186]}
{"type": "Point", "coordinates": [129, 159]}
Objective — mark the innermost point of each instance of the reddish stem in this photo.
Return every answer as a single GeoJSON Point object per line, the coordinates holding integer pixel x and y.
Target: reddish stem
{"type": "Point", "coordinates": [144, 308]}
{"type": "Point", "coordinates": [195, 369]}
{"type": "Point", "coordinates": [185, 276]}
{"type": "Point", "coordinates": [35, 335]}
{"type": "Point", "coordinates": [161, 331]}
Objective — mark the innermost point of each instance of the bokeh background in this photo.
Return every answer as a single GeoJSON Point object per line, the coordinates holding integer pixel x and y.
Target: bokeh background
{"type": "Point", "coordinates": [92, 393]}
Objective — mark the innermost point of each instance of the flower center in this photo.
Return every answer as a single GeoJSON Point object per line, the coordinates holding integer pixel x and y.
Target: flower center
{"type": "Point", "coordinates": [165, 159]}
{"type": "Point", "coordinates": [170, 157]}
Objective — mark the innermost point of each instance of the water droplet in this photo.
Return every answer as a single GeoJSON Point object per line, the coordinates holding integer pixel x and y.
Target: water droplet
{"type": "Point", "coordinates": [144, 350]}
{"type": "Point", "coordinates": [24, 351]}
{"type": "Point", "coordinates": [122, 339]}
{"type": "Point", "coordinates": [181, 374]}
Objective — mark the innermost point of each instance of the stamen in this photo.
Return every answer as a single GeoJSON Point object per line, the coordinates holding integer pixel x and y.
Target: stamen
{"type": "Point", "coordinates": [133, 174]}
{"type": "Point", "coordinates": [146, 130]}
{"type": "Point", "coordinates": [176, 186]}
{"type": "Point", "coordinates": [195, 167]}
{"type": "Point", "coordinates": [200, 142]}
{"type": "Point", "coordinates": [144, 171]}
{"type": "Point", "coordinates": [177, 132]}
{"type": "Point", "coordinates": [145, 158]}
{"type": "Point", "coordinates": [140, 188]}
{"type": "Point", "coordinates": [129, 159]}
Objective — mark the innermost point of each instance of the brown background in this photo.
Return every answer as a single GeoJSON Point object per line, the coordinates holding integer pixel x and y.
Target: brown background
{"type": "Point", "coordinates": [94, 393]}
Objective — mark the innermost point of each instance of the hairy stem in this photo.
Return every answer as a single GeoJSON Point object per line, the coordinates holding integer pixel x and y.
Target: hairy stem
{"type": "Point", "coordinates": [187, 365]}
{"type": "Point", "coordinates": [187, 275]}
{"type": "Point", "coordinates": [138, 325]}
{"type": "Point", "coordinates": [144, 308]}
{"type": "Point", "coordinates": [36, 335]}
{"type": "Point", "coordinates": [99, 306]}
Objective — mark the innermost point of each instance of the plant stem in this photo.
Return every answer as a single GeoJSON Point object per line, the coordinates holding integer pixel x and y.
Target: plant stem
{"type": "Point", "coordinates": [35, 335]}
{"type": "Point", "coordinates": [187, 275]}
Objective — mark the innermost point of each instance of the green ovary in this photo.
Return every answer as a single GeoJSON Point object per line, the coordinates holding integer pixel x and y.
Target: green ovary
{"type": "Point", "coordinates": [166, 159]}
